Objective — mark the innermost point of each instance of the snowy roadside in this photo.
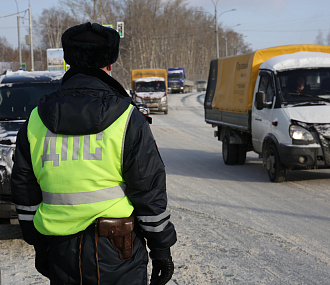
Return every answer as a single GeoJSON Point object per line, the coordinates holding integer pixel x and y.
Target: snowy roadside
{"type": "Point", "coordinates": [210, 250]}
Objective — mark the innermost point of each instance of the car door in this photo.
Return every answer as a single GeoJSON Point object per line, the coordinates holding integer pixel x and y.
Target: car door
{"type": "Point", "coordinates": [262, 119]}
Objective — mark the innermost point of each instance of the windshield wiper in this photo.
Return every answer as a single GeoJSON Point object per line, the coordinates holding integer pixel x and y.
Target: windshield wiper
{"type": "Point", "coordinates": [307, 104]}
{"type": "Point", "coordinates": [11, 118]}
{"type": "Point", "coordinates": [311, 96]}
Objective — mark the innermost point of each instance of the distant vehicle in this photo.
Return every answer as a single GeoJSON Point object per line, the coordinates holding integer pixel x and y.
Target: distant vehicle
{"type": "Point", "coordinates": [201, 85]}
{"type": "Point", "coordinates": [149, 86]}
{"type": "Point", "coordinates": [19, 93]}
{"type": "Point", "coordinates": [177, 81]}
{"type": "Point", "coordinates": [256, 103]}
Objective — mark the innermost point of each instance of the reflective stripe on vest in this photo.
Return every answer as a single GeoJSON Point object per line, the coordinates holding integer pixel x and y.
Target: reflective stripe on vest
{"type": "Point", "coordinates": [80, 176]}
{"type": "Point", "coordinates": [83, 197]}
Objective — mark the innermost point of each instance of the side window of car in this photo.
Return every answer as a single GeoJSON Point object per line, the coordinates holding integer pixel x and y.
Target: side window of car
{"type": "Point", "coordinates": [266, 86]}
{"type": "Point", "coordinates": [263, 84]}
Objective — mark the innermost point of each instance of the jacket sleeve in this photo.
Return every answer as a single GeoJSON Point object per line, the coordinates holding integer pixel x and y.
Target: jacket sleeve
{"type": "Point", "coordinates": [25, 190]}
{"type": "Point", "coordinates": [144, 174]}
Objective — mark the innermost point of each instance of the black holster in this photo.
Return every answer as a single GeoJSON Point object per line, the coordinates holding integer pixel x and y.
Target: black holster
{"type": "Point", "coordinates": [120, 233]}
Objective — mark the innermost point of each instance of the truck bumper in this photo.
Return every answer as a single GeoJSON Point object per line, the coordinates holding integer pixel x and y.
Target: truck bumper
{"type": "Point", "coordinates": [302, 156]}
{"type": "Point", "coordinates": [175, 89]}
{"type": "Point", "coordinates": [156, 105]}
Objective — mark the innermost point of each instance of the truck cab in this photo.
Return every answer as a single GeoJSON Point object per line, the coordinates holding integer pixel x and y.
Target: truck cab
{"type": "Point", "coordinates": [201, 85]}
{"type": "Point", "coordinates": [177, 81]}
{"type": "Point", "coordinates": [291, 113]}
{"type": "Point", "coordinates": [275, 102]}
{"type": "Point", "coordinates": [149, 87]}
{"type": "Point", "coordinates": [152, 92]}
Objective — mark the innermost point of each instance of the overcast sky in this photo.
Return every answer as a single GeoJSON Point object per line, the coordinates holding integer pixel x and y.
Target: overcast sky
{"type": "Point", "coordinates": [264, 23]}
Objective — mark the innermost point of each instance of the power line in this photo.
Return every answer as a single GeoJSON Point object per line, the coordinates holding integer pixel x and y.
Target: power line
{"type": "Point", "coordinates": [6, 16]}
{"type": "Point", "coordinates": [282, 31]}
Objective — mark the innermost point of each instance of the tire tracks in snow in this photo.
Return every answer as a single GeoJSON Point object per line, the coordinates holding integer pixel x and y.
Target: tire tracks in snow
{"type": "Point", "coordinates": [213, 250]}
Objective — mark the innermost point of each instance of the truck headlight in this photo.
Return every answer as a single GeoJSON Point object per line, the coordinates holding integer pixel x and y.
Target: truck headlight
{"type": "Point", "coordinates": [164, 99]}
{"type": "Point", "coordinates": [300, 133]}
{"type": "Point", "coordinates": [138, 99]}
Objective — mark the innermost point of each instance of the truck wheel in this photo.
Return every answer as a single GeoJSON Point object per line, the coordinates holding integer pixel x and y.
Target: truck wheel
{"type": "Point", "coordinates": [276, 171]}
{"type": "Point", "coordinates": [242, 148]}
{"type": "Point", "coordinates": [229, 151]}
{"type": "Point", "coordinates": [166, 112]}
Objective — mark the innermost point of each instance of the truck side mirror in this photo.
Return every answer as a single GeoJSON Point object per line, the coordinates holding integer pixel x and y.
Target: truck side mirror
{"type": "Point", "coordinates": [260, 100]}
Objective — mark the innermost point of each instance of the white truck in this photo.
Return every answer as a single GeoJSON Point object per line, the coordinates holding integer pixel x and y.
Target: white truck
{"type": "Point", "coordinates": [201, 85]}
{"type": "Point", "coordinates": [149, 87]}
{"type": "Point", "coordinates": [253, 103]}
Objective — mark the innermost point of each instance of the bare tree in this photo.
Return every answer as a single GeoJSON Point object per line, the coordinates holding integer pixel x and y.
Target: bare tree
{"type": "Point", "coordinates": [328, 38]}
{"type": "Point", "coordinates": [8, 56]}
{"type": "Point", "coordinates": [319, 38]}
{"type": "Point", "coordinates": [158, 34]}
{"type": "Point", "coordinates": [53, 23]}
{"type": "Point", "coordinates": [6, 51]}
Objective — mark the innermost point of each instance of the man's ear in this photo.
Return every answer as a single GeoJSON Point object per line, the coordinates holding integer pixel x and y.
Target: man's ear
{"type": "Point", "coordinates": [109, 67]}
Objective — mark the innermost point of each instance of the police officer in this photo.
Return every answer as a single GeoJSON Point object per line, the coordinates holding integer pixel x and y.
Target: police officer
{"type": "Point", "coordinates": [86, 159]}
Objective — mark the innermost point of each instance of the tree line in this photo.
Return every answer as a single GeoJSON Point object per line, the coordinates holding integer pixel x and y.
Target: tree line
{"type": "Point", "coordinates": [157, 34]}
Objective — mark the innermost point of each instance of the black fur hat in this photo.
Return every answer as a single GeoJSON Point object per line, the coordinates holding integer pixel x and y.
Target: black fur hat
{"type": "Point", "coordinates": [90, 45]}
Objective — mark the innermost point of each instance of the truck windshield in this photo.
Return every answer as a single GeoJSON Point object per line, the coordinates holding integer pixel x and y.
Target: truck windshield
{"type": "Point", "coordinates": [305, 85]}
{"type": "Point", "coordinates": [175, 76]}
{"type": "Point", "coordinates": [151, 86]}
{"type": "Point", "coordinates": [18, 100]}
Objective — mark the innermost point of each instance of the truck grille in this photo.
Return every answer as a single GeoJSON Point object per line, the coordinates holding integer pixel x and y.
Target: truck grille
{"type": "Point", "coordinates": [324, 136]}
{"type": "Point", "coordinates": [151, 101]}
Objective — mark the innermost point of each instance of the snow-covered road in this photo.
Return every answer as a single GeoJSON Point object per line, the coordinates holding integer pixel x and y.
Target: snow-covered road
{"type": "Point", "coordinates": [233, 225]}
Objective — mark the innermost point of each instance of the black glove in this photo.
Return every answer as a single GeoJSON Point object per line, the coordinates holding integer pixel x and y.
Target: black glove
{"type": "Point", "coordinates": [162, 271]}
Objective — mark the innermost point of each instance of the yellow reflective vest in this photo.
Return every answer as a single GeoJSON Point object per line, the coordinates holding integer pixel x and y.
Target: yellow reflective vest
{"type": "Point", "coordinates": [80, 176]}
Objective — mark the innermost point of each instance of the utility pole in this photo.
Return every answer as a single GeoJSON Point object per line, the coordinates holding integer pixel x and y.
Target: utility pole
{"type": "Point", "coordinates": [19, 39]}
{"type": "Point", "coordinates": [225, 37]}
{"type": "Point", "coordinates": [31, 38]}
{"type": "Point", "coordinates": [216, 29]}
{"type": "Point", "coordinates": [216, 24]}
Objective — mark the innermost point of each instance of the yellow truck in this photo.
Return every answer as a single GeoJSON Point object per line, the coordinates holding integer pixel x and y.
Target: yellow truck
{"type": "Point", "coordinates": [255, 105]}
{"type": "Point", "coordinates": [149, 86]}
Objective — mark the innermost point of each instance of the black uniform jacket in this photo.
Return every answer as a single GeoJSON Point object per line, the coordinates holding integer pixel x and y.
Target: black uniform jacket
{"type": "Point", "coordinates": [88, 102]}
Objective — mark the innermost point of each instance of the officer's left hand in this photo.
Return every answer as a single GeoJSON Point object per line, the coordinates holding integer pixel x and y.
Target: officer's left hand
{"type": "Point", "coordinates": [162, 271]}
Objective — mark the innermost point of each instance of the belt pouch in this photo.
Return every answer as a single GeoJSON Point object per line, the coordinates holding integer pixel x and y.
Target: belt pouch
{"type": "Point", "coordinates": [119, 232]}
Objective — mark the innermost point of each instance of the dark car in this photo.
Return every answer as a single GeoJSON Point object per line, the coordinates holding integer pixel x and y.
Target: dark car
{"type": "Point", "coordinates": [19, 94]}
